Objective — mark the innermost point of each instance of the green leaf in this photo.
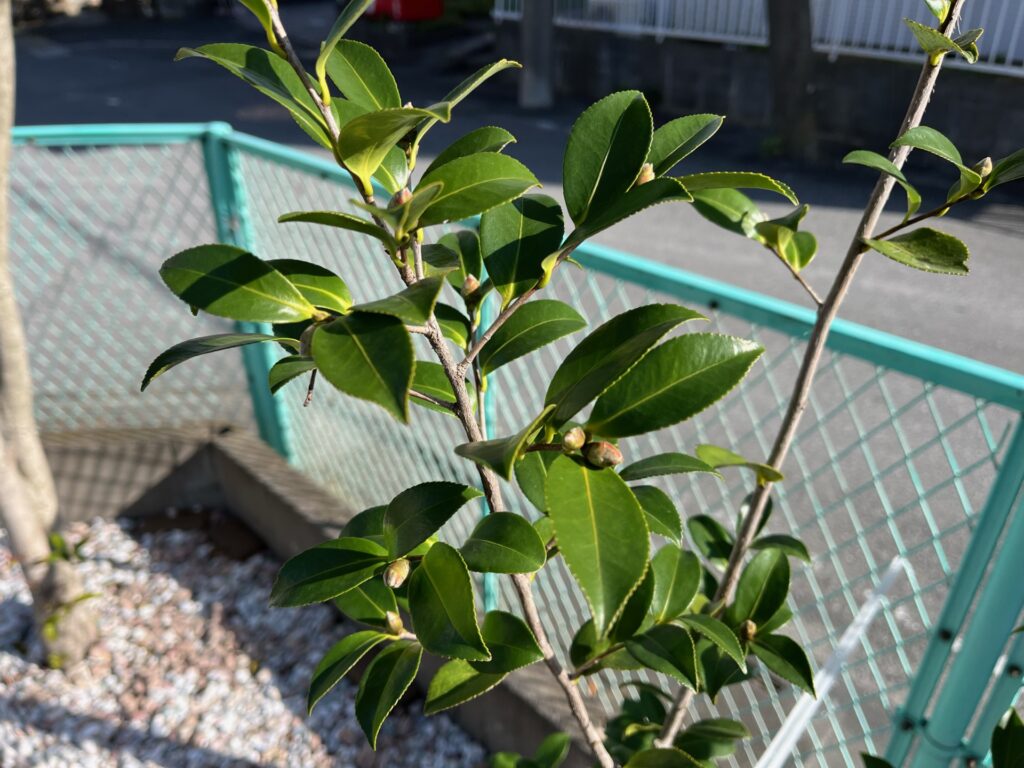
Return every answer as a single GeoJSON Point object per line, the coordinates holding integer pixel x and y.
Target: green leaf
{"type": "Point", "coordinates": [413, 306]}
{"type": "Point", "coordinates": [475, 184]}
{"type": "Point", "coordinates": [778, 621]}
{"type": "Point", "coordinates": [787, 544]}
{"type": "Point", "coordinates": [552, 751]}
{"type": "Point", "coordinates": [1008, 742]}
{"type": "Point", "coordinates": [487, 139]}
{"type": "Point", "coordinates": [418, 512]}
{"type": "Point", "coordinates": [339, 661]}
{"type": "Point", "coordinates": [729, 209]}
{"type": "Point", "coordinates": [762, 588]}
{"type": "Point", "coordinates": [368, 356]}
{"type": "Point", "coordinates": [720, 457]}
{"type": "Point", "coordinates": [347, 221]}
{"type": "Point", "coordinates": [786, 659]}
{"type": "Point", "coordinates": [501, 453]}
{"type": "Point", "coordinates": [465, 245]}
{"type": "Point", "coordinates": [668, 757]}
{"type": "Point", "coordinates": [362, 76]}
{"type": "Point", "coordinates": [231, 282]}
{"type": "Point", "coordinates": [504, 542]}
{"type": "Point", "coordinates": [368, 603]}
{"type": "Point", "coordinates": [936, 44]}
{"type": "Point", "coordinates": [404, 217]}
{"type": "Point", "coordinates": [662, 516]}
{"type": "Point", "coordinates": [515, 239]}
{"type": "Point", "coordinates": [384, 683]}
{"type": "Point", "coordinates": [393, 173]}
{"type": "Point", "coordinates": [714, 738]}
{"type": "Point", "coordinates": [926, 249]}
{"type": "Point", "coordinates": [532, 475]}
{"type": "Point", "coordinates": [430, 379]}
{"type": "Point", "coordinates": [366, 139]}
{"type": "Point", "coordinates": [676, 380]}
{"type": "Point", "coordinates": [607, 147]}
{"type": "Point", "coordinates": [534, 325]}
{"type": "Point", "coordinates": [635, 614]}
{"type": "Point", "coordinates": [665, 464]}
{"type": "Point", "coordinates": [511, 643]}
{"type": "Point", "coordinates": [940, 9]}
{"type": "Point", "coordinates": [186, 350]}
{"type": "Point", "coordinates": [782, 238]}
{"type": "Point", "coordinates": [260, 10]}
{"type": "Point", "coordinates": [716, 669]}
{"type": "Point", "coordinates": [454, 325]}
{"type": "Point", "coordinates": [677, 139]}
{"type": "Point", "coordinates": [1009, 168]}
{"type": "Point", "coordinates": [607, 353]}
{"type": "Point", "coordinates": [272, 76]}
{"type": "Point", "coordinates": [710, 537]}
{"type": "Point", "coordinates": [456, 683]}
{"type": "Point", "coordinates": [601, 533]}
{"type": "Point", "coordinates": [349, 15]}
{"type": "Point", "coordinates": [718, 633]}
{"type": "Point", "coordinates": [930, 140]}
{"type": "Point", "coordinates": [700, 182]}
{"type": "Point", "coordinates": [326, 571]}
{"type": "Point", "coordinates": [667, 649]}
{"type": "Point", "coordinates": [288, 368]}
{"type": "Point", "coordinates": [870, 761]}
{"type": "Point", "coordinates": [677, 577]}
{"type": "Point", "coordinates": [442, 607]}
{"type": "Point", "coordinates": [883, 164]}
{"type": "Point", "coordinates": [320, 287]}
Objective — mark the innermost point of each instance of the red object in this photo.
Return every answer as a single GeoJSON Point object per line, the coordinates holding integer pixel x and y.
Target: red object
{"type": "Point", "coordinates": [407, 10]}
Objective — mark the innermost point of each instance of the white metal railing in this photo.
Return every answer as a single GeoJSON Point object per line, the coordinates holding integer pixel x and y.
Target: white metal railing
{"type": "Point", "coordinates": [856, 27]}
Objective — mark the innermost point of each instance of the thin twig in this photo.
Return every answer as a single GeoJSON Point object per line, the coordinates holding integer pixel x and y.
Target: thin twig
{"type": "Point", "coordinates": [812, 356]}
{"type": "Point", "coordinates": [446, 404]}
{"type": "Point", "coordinates": [803, 282]}
{"type": "Point", "coordinates": [936, 211]}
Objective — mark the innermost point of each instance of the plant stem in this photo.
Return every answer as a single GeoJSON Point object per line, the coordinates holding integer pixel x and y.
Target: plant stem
{"type": "Point", "coordinates": [815, 347]}
{"type": "Point", "coordinates": [446, 404]}
{"type": "Point", "coordinates": [803, 283]}
{"type": "Point", "coordinates": [936, 211]}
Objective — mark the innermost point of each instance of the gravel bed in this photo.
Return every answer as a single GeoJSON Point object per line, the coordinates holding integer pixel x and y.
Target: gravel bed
{"type": "Point", "coordinates": [193, 670]}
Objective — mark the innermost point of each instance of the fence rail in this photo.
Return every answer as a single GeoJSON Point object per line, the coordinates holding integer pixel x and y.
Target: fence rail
{"type": "Point", "coordinates": [840, 27]}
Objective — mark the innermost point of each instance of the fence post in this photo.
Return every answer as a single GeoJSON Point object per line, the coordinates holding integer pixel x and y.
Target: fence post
{"type": "Point", "coordinates": [227, 196]}
{"type": "Point", "coordinates": [486, 404]}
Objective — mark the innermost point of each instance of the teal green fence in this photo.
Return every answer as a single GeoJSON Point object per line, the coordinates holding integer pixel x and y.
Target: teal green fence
{"type": "Point", "coordinates": [907, 450]}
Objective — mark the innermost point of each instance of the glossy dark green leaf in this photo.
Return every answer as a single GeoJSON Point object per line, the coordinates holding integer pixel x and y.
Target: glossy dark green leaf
{"type": "Point", "coordinates": [342, 220]}
{"type": "Point", "coordinates": [456, 683]}
{"type": "Point", "coordinates": [930, 140]}
{"type": "Point", "coordinates": [607, 147]}
{"type": "Point", "coordinates": [785, 658]}
{"type": "Point", "coordinates": [511, 643]}
{"type": "Point", "coordinates": [368, 356]}
{"type": "Point", "coordinates": [926, 249]}
{"type": "Point", "coordinates": [454, 325]}
{"type": "Point", "coordinates": [668, 757]}
{"type": "Point", "coordinates": [747, 505]}
{"type": "Point", "coordinates": [532, 475]}
{"type": "Point", "coordinates": [384, 683]}
{"type": "Point", "coordinates": [362, 76]}
{"type": "Point", "coordinates": [465, 244]}
{"type": "Point", "coordinates": [186, 350]}
{"type": "Point", "coordinates": [678, 138]}
{"type": "Point", "coordinates": [369, 603]}
{"type": "Point", "coordinates": [607, 353]}
{"type": "Point", "coordinates": [635, 615]}
{"type": "Point", "coordinates": [231, 282]}
{"type": "Point", "coordinates": [326, 571]}
{"type": "Point", "coordinates": [552, 751]}
{"type": "Point", "coordinates": [667, 649]}
{"type": "Point", "coordinates": [442, 606]}
{"type": "Point", "coordinates": [1009, 168]}
{"type": "Point", "coordinates": [790, 545]}
{"type": "Point", "coordinates": [430, 379]}
{"type": "Point", "coordinates": [534, 325]}
{"type": "Point", "coordinates": [288, 368]}
{"type": "Point", "coordinates": [762, 588]}
{"type": "Point", "coordinates": [501, 453]}
{"type": "Point", "coordinates": [504, 542]}
{"type": "Point", "coordinates": [718, 633]}
{"type": "Point", "coordinates": [665, 464]}
{"type": "Point", "coordinates": [716, 669]}
{"type": "Point", "coordinates": [721, 457]}
{"type": "Point", "coordinates": [320, 287]}
{"type": "Point", "coordinates": [710, 739]}
{"type": "Point", "coordinates": [729, 209]}
{"type": "Point", "coordinates": [515, 238]}
{"type": "Point", "coordinates": [870, 761]}
{"type": "Point", "coordinates": [418, 512]}
{"type": "Point", "coordinates": [881, 163]}
{"type": "Point", "coordinates": [700, 182]}
{"type": "Point", "coordinates": [366, 139]}
{"type": "Point", "coordinates": [710, 537]}
{"type": "Point", "coordinates": [780, 619]}
{"type": "Point", "coordinates": [1008, 742]}
{"type": "Point", "coordinates": [413, 305]}
{"type": "Point", "coordinates": [487, 139]}
{"type": "Point", "coordinates": [475, 184]}
{"type": "Point", "coordinates": [677, 576]}
{"type": "Point", "coordinates": [675, 381]}
{"type": "Point", "coordinates": [601, 533]}
{"type": "Point", "coordinates": [662, 515]}
{"type": "Point", "coordinates": [338, 662]}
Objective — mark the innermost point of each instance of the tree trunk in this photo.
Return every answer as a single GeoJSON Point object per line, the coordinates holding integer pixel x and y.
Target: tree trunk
{"type": "Point", "coordinates": [28, 501]}
{"type": "Point", "coordinates": [792, 70]}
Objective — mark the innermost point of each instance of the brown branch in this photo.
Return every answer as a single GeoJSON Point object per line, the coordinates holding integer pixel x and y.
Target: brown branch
{"type": "Point", "coordinates": [815, 347]}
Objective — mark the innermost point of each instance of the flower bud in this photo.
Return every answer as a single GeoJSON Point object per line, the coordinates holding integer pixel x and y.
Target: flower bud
{"type": "Point", "coordinates": [396, 573]}
{"type": "Point", "coordinates": [574, 439]}
{"type": "Point", "coordinates": [646, 174]}
{"type": "Point", "coordinates": [469, 285]}
{"type": "Point", "coordinates": [602, 454]}
{"type": "Point", "coordinates": [306, 340]}
{"type": "Point", "coordinates": [983, 167]}
{"type": "Point", "coordinates": [748, 631]}
{"type": "Point", "coordinates": [394, 623]}
{"type": "Point", "coordinates": [401, 197]}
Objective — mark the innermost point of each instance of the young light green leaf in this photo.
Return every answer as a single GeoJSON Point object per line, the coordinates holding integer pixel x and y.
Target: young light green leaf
{"type": "Point", "coordinates": [455, 683]}
{"type": "Point", "coordinates": [369, 603]}
{"type": "Point", "coordinates": [662, 516]}
{"type": "Point", "coordinates": [665, 464]}
{"type": "Point", "coordinates": [677, 139]}
{"type": "Point", "coordinates": [710, 537]}
{"type": "Point", "coordinates": [339, 661]}
{"type": "Point", "coordinates": [926, 249]}
{"type": "Point", "coordinates": [676, 380]}
{"type": "Point", "coordinates": [362, 76]}
{"type": "Point", "coordinates": [536, 324]}
{"type": "Point", "coordinates": [718, 457]}
{"type": "Point", "coordinates": [782, 238]}
{"type": "Point", "coordinates": [930, 140]}
{"type": "Point", "coordinates": [430, 379]}
{"type": "Point", "coordinates": [186, 350]}
{"type": "Point", "coordinates": [601, 533]}
{"type": "Point", "coordinates": [701, 182]}
{"type": "Point", "coordinates": [326, 571]}
{"type": "Point", "coordinates": [442, 606]}
{"type": "Point", "coordinates": [718, 633]}
{"type": "Point", "coordinates": [454, 325]}
{"type": "Point", "coordinates": [729, 209]}
{"type": "Point", "coordinates": [762, 588]}
{"type": "Point", "coordinates": [515, 238]}
{"type": "Point", "coordinates": [393, 173]}
{"type": "Point", "coordinates": [667, 649]}
{"type": "Point", "coordinates": [883, 164]}
{"type": "Point", "coordinates": [786, 659]}
{"type": "Point", "coordinates": [418, 512]}
{"type": "Point", "coordinates": [347, 221]}
{"type": "Point", "coordinates": [655, 192]}
{"type": "Point", "coordinates": [369, 356]}
{"type": "Point", "coordinates": [501, 453]}
{"type": "Point", "coordinates": [667, 757]}
{"type": "Point", "coordinates": [606, 354]}
{"type": "Point", "coordinates": [511, 643]}
{"type": "Point", "coordinates": [320, 287]}
{"type": "Point", "coordinates": [288, 368]}
{"type": "Point", "coordinates": [230, 282]}
{"type": "Point", "coordinates": [790, 545]}
{"type": "Point", "coordinates": [504, 542]}
{"type": "Point", "coordinates": [385, 682]}
{"type": "Point", "coordinates": [413, 305]}
{"type": "Point", "coordinates": [607, 147]}
{"type": "Point", "coordinates": [936, 44]}
{"type": "Point", "coordinates": [475, 184]}
{"type": "Point", "coordinates": [366, 139]}
{"type": "Point", "coordinates": [677, 577]}
{"type": "Point", "coordinates": [349, 15]}
{"type": "Point", "coordinates": [405, 217]}
{"type": "Point", "coordinates": [939, 8]}
{"type": "Point", "coordinates": [487, 139]}
{"type": "Point", "coordinates": [465, 244]}
{"type": "Point", "coordinates": [260, 10]}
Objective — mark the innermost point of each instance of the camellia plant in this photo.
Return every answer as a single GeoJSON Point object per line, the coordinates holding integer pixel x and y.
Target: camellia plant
{"type": "Point", "coordinates": [700, 616]}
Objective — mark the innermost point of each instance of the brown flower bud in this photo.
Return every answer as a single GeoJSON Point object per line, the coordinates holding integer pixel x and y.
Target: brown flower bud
{"type": "Point", "coordinates": [574, 439]}
{"type": "Point", "coordinates": [306, 340]}
{"type": "Point", "coordinates": [394, 623]}
{"type": "Point", "coordinates": [401, 197]}
{"type": "Point", "coordinates": [748, 631]}
{"type": "Point", "coordinates": [646, 174]}
{"type": "Point", "coordinates": [396, 573]}
{"type": "Point", "coordinates": [469, 285]}
{"type": "Point", "coordinates": [983, 167]}
{"type": "Point", "coordinates": [602, 454]}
